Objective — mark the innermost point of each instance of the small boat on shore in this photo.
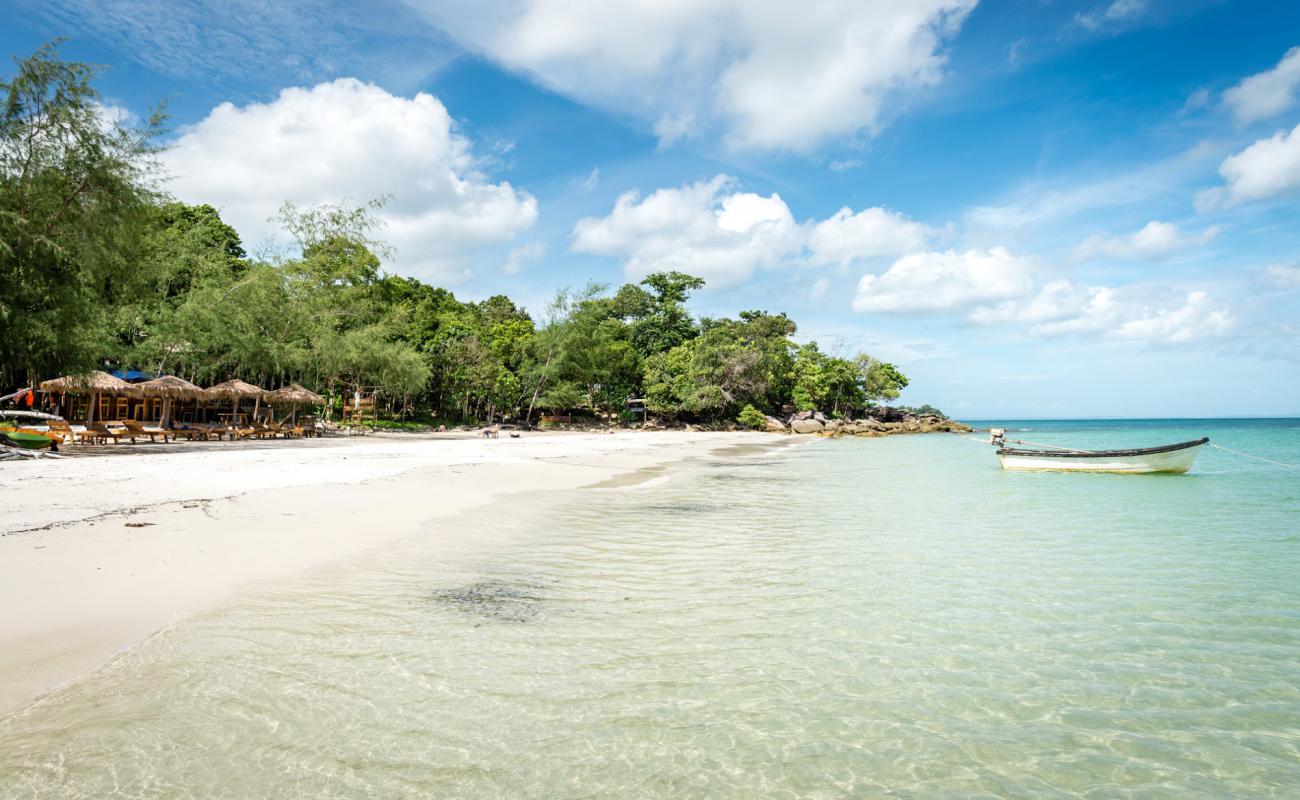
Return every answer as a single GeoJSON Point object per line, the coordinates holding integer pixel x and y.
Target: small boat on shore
{"type": "Point", "coordinates": [1170, 458]}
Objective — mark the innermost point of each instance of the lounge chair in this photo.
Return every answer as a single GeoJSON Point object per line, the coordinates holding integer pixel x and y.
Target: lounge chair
{"type": "Point", "coordinates": [134, 429]}
{"type": "Point", "coordinates": [99, 433]}
{"type": "Point", "coordinates": [190, 432]}
{"type": "Point", "coordinates": [61, 429]}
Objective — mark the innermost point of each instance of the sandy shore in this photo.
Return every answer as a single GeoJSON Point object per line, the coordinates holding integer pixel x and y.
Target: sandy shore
{"type": "Point", "coordinates": [98, 553]}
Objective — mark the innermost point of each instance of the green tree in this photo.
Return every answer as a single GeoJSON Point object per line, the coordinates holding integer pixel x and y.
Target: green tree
{"type": "Point", "coordinates": [75, 190]}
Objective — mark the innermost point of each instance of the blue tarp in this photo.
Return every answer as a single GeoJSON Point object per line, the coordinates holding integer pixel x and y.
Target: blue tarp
{"type": "Point", "coordinates": [132, 375]}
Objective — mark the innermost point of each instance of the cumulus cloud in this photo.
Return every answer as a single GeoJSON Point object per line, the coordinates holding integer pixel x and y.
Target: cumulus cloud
{"type": "Point", "coordinates": [995, 287]}
{"type": "Point", "coordinates": [944, 281]}
{"type": "Point", "coordinates": [848, 237]}
{"type": "Point", "coordinates": [347, 139]}
{"type": "Point", "coordinates": [714, 230]}
{"type": "Point", "coordinates": [774, 74]}
{"type": "Point", "coordinates": [1267, 93]}
{"type": "Point", "coordinates": [1157, 240]}
{"type": "Point", "coordinates": [1266, 168]}
{"type": "Point", "coordinates": [1132, 313]}
{"type": "Point", "coordinates": [707, 229]}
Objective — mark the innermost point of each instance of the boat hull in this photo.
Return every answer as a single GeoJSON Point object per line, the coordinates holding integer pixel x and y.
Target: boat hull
{"type": "Point", "coordinates": [1173, 459]}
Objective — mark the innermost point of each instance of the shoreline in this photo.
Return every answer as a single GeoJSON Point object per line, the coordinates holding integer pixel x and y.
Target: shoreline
{"type": "Point", "coordinates": [98, 554]}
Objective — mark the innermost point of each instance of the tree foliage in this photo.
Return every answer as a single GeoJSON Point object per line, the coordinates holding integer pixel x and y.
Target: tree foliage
{"type": "Point", "coordinates": [99, 269]}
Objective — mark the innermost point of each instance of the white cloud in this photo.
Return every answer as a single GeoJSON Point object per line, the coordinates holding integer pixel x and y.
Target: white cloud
{"type": "Point", "coordinates": [1157, 240]}
{"type": "Point", "coordinates": [351, 140]}
{"type": "Point", "coordinates": [521, 255]}
{"type": "Point", "coordinates": [704, 228]}
{"type": "Point", "coordinates": [847, 237]}
{"type": "Point", "coordinates": [944, 281]}
{"type": "Point", "coordinates": [1268, 167]}
{"type": "Point", "coordinates": [1265, 94]}
{"type": "Point", "coordinates": [773, 73]}
{"type": "Point", "coordinates": [590, 182]}
{"type": "Point", "coordinates": [1119, 12]}
{"type": "Point", "coordinates": [714, 230]}
{"type": "Point", "coordinates": [1130, 313]}
{"type": "Point", "coordinates": [1282, 277]}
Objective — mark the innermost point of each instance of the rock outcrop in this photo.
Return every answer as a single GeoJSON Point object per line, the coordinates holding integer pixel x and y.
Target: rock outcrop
{"type": "Point", "coordinates": [806, 426]}
{"type": "Point", "coordinates": [883, 421]}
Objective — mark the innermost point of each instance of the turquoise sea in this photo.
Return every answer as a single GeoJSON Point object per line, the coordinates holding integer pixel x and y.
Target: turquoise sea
{"type": "Point", "coordinates": [851, 618]}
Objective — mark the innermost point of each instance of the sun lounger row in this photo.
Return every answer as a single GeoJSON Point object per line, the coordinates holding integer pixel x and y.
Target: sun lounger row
{"type": "Point", "coordinates": [134, 430]}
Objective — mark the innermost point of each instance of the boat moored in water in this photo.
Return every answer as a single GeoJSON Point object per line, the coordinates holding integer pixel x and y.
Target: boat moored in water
{"type": "Point", "coordinates": [1170, 458]}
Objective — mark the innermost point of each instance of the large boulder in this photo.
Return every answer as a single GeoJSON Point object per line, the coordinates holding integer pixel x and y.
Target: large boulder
{"type": "Point", "coordinates": [830, 426]}
{"type": "Point", "coordinates": [774, 425]}
{"type": "Point", "coordinates": [806, 426]}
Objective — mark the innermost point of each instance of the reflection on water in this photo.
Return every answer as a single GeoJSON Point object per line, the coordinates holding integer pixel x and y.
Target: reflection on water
{"type": "Point", "coordinates": [815, 626]}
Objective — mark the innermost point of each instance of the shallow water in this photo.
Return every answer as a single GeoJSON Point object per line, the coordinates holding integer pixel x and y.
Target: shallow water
{"type": "Point", "coordinates": [884, 617]}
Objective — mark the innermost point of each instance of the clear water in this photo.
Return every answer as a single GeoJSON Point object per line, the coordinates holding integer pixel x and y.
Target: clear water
{"type": "Point", "coordinates": [854, 618]}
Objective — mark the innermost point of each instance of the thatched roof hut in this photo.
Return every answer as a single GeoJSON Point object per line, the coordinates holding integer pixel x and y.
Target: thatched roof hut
{"type": "Point", "coordinates": [92, 383]}
{"type": "Point", "coordinates": [173, 388]}
{"type": "Point", "coordinates": [236, 389]}
{"type": "Point", "coordinates": [294, 394]}
{"type": "Point", "coordinates": [95, 382]}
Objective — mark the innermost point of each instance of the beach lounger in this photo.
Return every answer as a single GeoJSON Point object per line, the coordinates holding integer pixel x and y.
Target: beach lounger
{"type": "Point", "coordinates": [61, 429]}
{"type": "Point", "coordinates": [134, 429]}
{"type": "Point", "coordinates": [189, 432]}
{"type": "Point", "coordinates": [99, 433]}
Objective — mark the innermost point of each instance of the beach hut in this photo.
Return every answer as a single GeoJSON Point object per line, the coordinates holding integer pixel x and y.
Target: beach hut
{"type": "Point", "coordinates": [236, 390]}
{"type": "Point", "coordinates": [94, 384]}
{"type": "Point", "coordinates": [294, 395]}
{"type": "Point", "coordinates": [171, 388]}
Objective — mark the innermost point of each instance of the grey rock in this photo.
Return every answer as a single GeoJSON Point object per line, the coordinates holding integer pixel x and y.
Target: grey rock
{"type": "Point", "coordinates": [806, 426]}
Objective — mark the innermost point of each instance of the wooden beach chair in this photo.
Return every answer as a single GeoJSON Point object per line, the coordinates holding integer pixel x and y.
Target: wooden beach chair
{"type": "Point", "coordinates": [189, 432]}
{"type": "Point", "coordinates": [134, 429]}
{"type": "Point", "coordinates": [99, 433]}
{"type": "Point", "coordinates": [62, 430]}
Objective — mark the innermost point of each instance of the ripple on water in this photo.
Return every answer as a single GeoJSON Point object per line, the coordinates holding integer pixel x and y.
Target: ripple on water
{"type": "Point", "coordinates": [810, 627]}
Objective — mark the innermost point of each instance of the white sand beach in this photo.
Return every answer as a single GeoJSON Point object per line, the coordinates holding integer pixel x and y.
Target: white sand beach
{"type": "Point", "coordinates": [98, 553]}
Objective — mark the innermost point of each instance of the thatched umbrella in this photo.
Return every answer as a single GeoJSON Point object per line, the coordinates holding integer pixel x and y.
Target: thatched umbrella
{"type": "Point", "coordinates": [294, 395]}
{"type": "Point", "coordinates": [169, 388]}
{"type": "Point", "coordinates": [92, 383]}
{"type": "Point", "coordinates": [235, 390]}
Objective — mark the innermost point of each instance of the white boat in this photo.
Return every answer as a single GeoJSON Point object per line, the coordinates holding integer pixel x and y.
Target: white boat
{"type": "Point", "coordinates": [1174, 458]}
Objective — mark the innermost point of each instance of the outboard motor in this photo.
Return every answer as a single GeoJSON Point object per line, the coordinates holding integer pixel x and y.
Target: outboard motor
{"type": "Point", "coordinates": [997, 436]}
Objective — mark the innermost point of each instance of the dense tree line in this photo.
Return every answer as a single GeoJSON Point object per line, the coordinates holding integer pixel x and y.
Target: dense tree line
{"type": "Point", "coordinates": [99, 268]}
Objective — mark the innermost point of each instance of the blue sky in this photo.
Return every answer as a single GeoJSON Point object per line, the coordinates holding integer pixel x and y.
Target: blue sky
{"type": "Point", "coordinates": [1035, 208]}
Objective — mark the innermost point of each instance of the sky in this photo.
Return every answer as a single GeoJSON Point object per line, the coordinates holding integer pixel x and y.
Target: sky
{"type": "Point", "coordinates": [1035, 208]}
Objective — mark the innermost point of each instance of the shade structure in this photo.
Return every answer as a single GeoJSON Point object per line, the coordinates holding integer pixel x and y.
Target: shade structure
{"type": "Point", "coordinates": [235, 390]}
{"type": "Point", "coordinates": [294, 395]}
{"type": "Point", "coordinates": [92, 383]}
{"type": "Point", "coordinates": [96, 382]}
{"type": "Point", "coordinates": [171, 388]}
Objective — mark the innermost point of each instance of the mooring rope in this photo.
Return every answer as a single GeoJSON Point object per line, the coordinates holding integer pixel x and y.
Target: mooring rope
{"type": "Point", "coordinates": [1257, 458]}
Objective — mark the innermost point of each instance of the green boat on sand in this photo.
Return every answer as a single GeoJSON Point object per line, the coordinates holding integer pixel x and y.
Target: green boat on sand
{"type": "Point", "coordinates": [27, 441]}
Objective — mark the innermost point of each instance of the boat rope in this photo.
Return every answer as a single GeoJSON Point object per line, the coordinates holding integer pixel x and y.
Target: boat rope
{"type": "Point", "coordinates": [1257, 458]}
